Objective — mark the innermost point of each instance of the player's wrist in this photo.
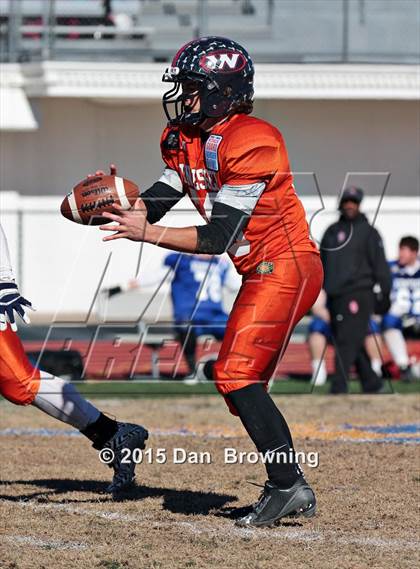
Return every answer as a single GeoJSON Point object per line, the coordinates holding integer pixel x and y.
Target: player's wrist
{"type": "Point", "coordinates": [151, 233]}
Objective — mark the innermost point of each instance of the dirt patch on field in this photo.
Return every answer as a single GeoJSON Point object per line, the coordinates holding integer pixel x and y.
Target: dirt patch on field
{"type": "Point", "coordinates": [53, 513]}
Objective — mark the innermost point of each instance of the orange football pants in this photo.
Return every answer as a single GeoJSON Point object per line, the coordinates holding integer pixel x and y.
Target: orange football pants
{"type": "Point", "coordinates": [266, 310]}
{"type": "Point", "coordinates": [19, 379]}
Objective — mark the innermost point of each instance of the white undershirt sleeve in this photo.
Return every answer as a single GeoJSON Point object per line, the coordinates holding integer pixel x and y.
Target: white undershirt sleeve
{"type": "Point", "coordinates": [243, 197]}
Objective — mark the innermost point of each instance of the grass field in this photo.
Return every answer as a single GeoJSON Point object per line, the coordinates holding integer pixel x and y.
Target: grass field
{"type": "Point", "coordinates": [54, 514]}
{"type": "Point", "coordinates": [166, 388]}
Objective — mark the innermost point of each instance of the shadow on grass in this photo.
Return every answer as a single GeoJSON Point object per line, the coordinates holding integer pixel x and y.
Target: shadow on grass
{"type": "Point", "coordinates": [177, 501]}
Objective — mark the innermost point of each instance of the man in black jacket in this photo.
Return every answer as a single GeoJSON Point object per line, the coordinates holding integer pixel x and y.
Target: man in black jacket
{"type": "Point", "coordinates": [354, 264]}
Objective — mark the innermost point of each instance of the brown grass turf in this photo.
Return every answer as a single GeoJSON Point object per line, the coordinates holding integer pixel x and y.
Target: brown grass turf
{"type": "Point", "coordinates": [53, 515]}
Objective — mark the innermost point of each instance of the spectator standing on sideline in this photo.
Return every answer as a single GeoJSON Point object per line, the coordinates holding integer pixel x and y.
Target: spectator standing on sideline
{"type": "Point", "coordinates": [354, 262]}
{"type": "Point", "coordinates": [320, 334]}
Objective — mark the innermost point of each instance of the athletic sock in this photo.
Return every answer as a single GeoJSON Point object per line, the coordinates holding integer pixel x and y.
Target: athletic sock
{"type": "Point", "coordinates": [101, 430]}
{"type": "Point", "coordinates": [319, 372]}
{"type": "Point", "coordinates": [61, 400]}
{"type": "Point", "coordinates": [208, 369]}
{"type": "Point", "coordinates": [396, 345]}
{"type": "Point", "coordinates": [188, 340]}
{"type": "Point", "coordinates": [269, 431]}
{"type": "Point", "coordinates": [376, 364]}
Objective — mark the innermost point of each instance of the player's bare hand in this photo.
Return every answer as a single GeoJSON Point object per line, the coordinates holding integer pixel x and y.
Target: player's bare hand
{"type": "Point", "coordinates": [112, 172]}
{"type": "Point", "coordinates": [129, 224]}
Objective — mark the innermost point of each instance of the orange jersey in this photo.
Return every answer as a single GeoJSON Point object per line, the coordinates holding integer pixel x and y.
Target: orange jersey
{"type": "Point", "coordinates": [240, 154]}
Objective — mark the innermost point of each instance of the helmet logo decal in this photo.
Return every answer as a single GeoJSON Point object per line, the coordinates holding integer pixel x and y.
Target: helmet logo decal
{"type": "Point", "coordinates": [223, 61]}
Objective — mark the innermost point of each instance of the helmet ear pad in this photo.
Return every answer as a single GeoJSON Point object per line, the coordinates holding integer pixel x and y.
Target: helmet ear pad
{"type": "Point", "coordinates": [215, 105]}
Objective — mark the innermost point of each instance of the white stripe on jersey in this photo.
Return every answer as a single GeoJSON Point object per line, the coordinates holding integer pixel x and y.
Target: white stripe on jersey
{"type": "Point", "coordinates": [243, 197]}
{"type": "Point", "coordinates": [171, 178]}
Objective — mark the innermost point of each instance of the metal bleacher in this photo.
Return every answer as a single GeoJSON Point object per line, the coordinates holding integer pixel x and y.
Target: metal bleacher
{"type": "Point", "coordinates": [134, 29]}
{"type": "Point", "coordinates": [296, 31]}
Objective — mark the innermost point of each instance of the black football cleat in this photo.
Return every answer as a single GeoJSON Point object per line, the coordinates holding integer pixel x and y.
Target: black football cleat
{"type": "Point", "coordinates": [338, 388]}
{"type": "Point", "coordinates": [406, 374]}
{"type": "Point", "coordinates": [373, 387]}
{"type": "Point", "coordinates": [128, 438]}
{"type": "Point", "coordinates": [276, 503]}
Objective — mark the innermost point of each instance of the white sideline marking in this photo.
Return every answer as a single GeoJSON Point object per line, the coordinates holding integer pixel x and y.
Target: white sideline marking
{"type": "Point", "coordinates": [49, 544]}
{"type": "Point", "coordinates": [198, 528]}
{"type": "Point", "coordinates": [111, 516]}
{"type": "Point", "coordinates": [42, 432]}
{"type": "Point", "coordinates": [183, 432]}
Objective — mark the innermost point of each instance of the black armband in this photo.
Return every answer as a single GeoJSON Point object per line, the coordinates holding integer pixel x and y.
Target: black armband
{"type": "Point", "coordinates": [219, 234]}
{"type": "Point", "coordinates": [159, 199]}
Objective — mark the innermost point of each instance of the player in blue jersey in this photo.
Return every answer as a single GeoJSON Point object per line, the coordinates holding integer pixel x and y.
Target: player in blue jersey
{"type": "Point", "coordinates": [197, 294]}
{"type": "Point", "coordinates": [403, 317]}
{"type": "Point", "coordinates": [197, 283]}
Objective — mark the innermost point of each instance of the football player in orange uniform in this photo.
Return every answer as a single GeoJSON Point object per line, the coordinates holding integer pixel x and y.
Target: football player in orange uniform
{"type": "Point", "coordinates": [23, 384]}
{"type": "Point", "coordinates": [236, 171]}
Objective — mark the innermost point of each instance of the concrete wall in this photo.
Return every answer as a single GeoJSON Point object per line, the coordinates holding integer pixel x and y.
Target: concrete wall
{"type": "Point", "coordinates": [333, 138]}
{"type": "Point", "coordinates": [329, 138]}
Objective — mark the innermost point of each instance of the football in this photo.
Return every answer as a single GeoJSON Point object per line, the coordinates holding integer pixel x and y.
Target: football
{"type": "Point", "coordinates": [91, 197]}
